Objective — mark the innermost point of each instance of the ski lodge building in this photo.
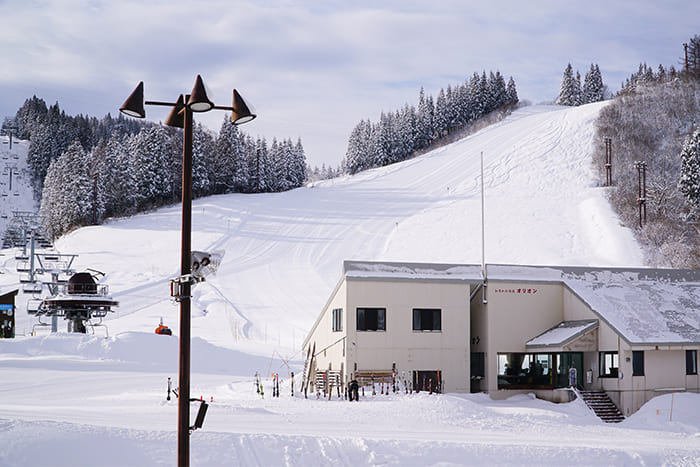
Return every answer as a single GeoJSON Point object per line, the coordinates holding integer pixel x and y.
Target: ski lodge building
{"type": "Point", "coordinates": [632, 333]}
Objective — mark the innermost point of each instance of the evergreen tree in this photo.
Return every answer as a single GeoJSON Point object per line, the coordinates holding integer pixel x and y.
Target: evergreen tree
{"type": "Point", "coordinates": [689, 183]}
{"type": "Point", "coordinates": [67, 199]}
{"type": "Point", "coordinates": [424, 123]}
{"type": "Point", "coordinates": [151, 155]}
{"type": "Point", "coordinates": [230, 165]}
{"type": "Point", "coordinates": [441, 120]}
{"type": "Point", "coordinates": [568, 92]}
{"type": "Point", "coordinates": [202, 158]}
{"type": "Point", "coordinates": [592, 86]}
{"type": "Point", "coordinates": [118, 179]}
{"type": "Point", "coordinates": [511, 92]}
{"type": "Point", "coordinates": [694, 56]}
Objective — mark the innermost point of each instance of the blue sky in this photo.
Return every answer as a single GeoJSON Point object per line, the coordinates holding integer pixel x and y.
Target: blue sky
{"type": "Point", "coordinates": [313, 69]}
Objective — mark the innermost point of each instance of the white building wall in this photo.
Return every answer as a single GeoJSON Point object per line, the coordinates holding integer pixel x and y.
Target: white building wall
{"type": "Point", "coordinates": [517, 312]}
{"type": "Point", "coordinates": [330, 346]}
{"type": "Point", "coordinates": [446, 350]}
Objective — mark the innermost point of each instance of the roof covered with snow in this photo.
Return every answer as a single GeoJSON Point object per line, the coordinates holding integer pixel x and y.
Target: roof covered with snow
{"type": "Point", "coordinates": [644, 311]}
{"type": "Point", "coordinates": [563, 333]}
{"type": "Point", "coordinates": [644, 306]}
{"type": "Point", "coordinates": [412, 271]}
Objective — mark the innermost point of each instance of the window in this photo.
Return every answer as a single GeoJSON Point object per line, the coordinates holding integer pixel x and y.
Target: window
{"type": "Point", "coordinates": [538, 370]}
{"type": "Point", "coordinates": [691, 362]}
{"type": "Point", "coordinates": [371, 319]}
{"type": "Point", "coordinates": [637, 363]}
{"type": "Point", "coordinates": [337, 319]}
{"type": "Point", "coordinates": [426, 319]}
{"type": "Point", "coordinates": [609, 364]}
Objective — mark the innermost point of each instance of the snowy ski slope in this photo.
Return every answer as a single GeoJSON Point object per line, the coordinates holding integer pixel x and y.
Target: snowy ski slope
{"type": "Point", "coordinates": [86, 400]}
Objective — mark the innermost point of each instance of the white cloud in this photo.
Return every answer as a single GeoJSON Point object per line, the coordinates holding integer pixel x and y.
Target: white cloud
{"type": "Point", "coordinates": [313, 69]}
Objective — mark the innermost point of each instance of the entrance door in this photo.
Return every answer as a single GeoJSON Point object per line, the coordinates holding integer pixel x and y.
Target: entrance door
{"type": "Point", "coordinates": [565, 362]}
{"type": "Point", "coordinates": [427, 380]}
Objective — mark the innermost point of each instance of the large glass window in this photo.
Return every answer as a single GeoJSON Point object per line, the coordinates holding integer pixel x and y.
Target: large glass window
{"type": "Point", "coordinates": [637, 363]}
{"type": "Point", "coordinates": [609, 364]}
{"type": "Point", "coordinates": [371, 319]}
{"type": "Point", "coordinates": [538, 370]}
{"type": "Point", "coordinates": [691, 362]}
{"type": "Point", "coordinates": [337, 319]}
{"type": "Point", "coordinates": [427, 319]}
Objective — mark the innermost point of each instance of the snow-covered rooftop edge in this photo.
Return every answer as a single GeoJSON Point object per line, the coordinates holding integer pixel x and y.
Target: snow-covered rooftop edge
{"type": "Point", "coordinates": [645, 306]}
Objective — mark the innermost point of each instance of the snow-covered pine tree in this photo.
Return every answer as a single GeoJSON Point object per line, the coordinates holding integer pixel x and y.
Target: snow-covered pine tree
{"type": "Point", "coordinates": [452, 107]}
{"type": "Point", "coordinates": [477, 95]}
{"type": "Point", "coordinates": [298, 169]}
{"type": "Point", "coordinates": [407, 121]}
{"type": "Point", "coordinates": [568, 91]}
{"type": "Point", "coordinates": [424, 128]}
{"type": "Point", "coordinates": [592, 86]}
{"type": "Point", "coordinates": [496, 93]}
{"type": "Point", "coordinates": [202, 157]}
{"type": "Point", "coordinates": [67, 200]}
{"type": "Point", "coordinates": [230, 165]}
{"type": "Point", "coordinates": [577, 89]}
{"type": "Point", "coordinates": [689, 183]}
{"type": "Point", "coordinates": [441, 120]}
{"type": "Point", "coordinates": [511, 92]}
{"type": "Point", "coordinates": [117, 178]}
{"type": "Point", "coordinates": [151, 153]}
{"type": "Point", "coordinates": [96, 172]}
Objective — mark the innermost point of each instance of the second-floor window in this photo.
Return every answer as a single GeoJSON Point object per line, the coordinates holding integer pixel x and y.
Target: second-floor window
{"type": "Point", "coordinates": [371, 319]}
{"type": "Point", "coordinates": [427, 319]}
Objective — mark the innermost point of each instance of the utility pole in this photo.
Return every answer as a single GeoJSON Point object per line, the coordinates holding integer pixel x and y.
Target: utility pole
{"type": "Point", "coordinates": [608, 161]}
{"type": "Point", "coordinates": [641, 167]}
{"type": "Point", "coordinates": [685, 47]}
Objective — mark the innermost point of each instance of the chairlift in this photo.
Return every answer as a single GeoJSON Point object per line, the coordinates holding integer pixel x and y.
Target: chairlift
{"type": "Point", "coordinates": [98, 324]}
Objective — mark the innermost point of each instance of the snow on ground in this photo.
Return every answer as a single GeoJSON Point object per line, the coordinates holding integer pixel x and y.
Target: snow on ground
{"type": "Point", "coordinates": [89, 400]}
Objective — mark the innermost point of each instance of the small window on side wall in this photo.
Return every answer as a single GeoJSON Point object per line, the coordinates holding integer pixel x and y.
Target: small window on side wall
{"type": "Point", "coordinates": [637, 363]}
{"type": "Point", "coordinates": [691, 362]}
{"type": "Point", "coordinates": [609, 364]}
{"type": "Point", "coordinates": [337, 319]}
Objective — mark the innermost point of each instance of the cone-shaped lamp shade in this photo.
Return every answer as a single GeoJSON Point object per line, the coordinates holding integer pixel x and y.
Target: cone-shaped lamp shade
{"type": "Point", "coordinates": [133, 106]}
{"type": "Point", "coordinates": [198, 101]}
{"type": "Point", "coordinates": [176, 118]}
{"type": "Point", "coordinates": [242, 111]}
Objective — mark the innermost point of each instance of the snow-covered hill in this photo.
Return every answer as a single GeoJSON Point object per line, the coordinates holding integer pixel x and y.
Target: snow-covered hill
{"type": "Point", "coordinates": [283, 252]}
{"type": "Point", "coordinates": [72, 400]}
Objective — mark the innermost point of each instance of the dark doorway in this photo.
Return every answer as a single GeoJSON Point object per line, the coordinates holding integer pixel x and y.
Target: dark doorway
{"type": "Point", "coordinates": [430, 380]}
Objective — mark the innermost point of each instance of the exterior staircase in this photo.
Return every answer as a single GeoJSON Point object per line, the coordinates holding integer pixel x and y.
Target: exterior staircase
{"type": "Point", "coordinates": [600, 403]}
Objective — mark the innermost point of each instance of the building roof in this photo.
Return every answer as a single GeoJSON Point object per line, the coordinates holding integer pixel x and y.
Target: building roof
{"type": "Point", "coordinates": [645, 311]}
{"type": "Point", "coordinates": [644, 306]}
{"type": "Point", "coordinates": [563, 333]}
{"type": "Point", "coordinates": [412, 271]}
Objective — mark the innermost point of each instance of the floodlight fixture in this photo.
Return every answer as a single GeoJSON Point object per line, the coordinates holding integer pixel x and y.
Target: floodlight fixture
{"type": "Point", "coordinates": [198, 101]}
{"type": "Point", "coordinates": [133, 106]}
{"type": "Point", "coordinates": [242, 111]}
{"type": "Point", "coordinates": [176, 118]}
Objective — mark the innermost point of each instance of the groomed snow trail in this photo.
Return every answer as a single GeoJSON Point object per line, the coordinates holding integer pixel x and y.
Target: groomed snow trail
{"type": "Point", "coordinates": [284, 251]}
{"type": "Point", "coordinates": [83, 400]}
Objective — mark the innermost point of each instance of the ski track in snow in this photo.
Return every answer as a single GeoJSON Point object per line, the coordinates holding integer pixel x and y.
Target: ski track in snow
{"type": "Point", "coordinates": [83, 400]}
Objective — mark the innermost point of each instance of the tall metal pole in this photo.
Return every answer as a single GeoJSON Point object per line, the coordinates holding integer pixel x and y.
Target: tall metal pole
{"type": "Point", "coordinates": [183, 408]}
{"type": "Point", "coordinates": [483, 223]}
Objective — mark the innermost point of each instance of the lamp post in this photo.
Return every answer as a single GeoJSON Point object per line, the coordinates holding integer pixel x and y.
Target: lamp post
{"type": "Point", "coordinates": [181, 116]}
